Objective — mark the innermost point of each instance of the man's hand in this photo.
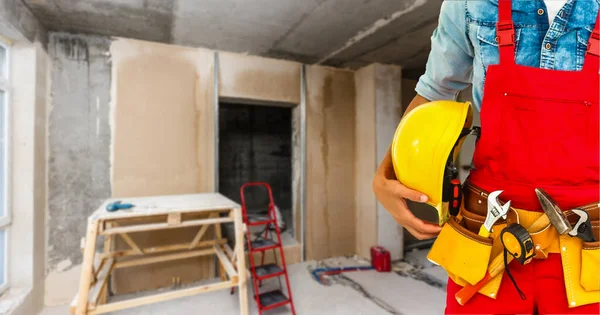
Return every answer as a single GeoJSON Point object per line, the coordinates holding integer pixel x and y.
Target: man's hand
{"type": "Point", "coordinates": [392, 194]}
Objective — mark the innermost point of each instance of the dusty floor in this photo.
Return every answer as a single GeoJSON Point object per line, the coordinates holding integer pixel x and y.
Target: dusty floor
{"type": "Point", "coordinates": [415, 288]}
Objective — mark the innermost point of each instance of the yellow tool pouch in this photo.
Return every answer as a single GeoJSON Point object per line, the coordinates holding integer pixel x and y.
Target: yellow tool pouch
{"type": "Point", "coordinates": [581, 266]}
{"type": "Point", "coordinates": [463, 254]}
{"type": "Point", "coordinates": [590, 266]}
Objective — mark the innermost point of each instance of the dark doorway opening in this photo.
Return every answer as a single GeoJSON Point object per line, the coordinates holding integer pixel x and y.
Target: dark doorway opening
{"type": "Point", "coordinates": [255, 145]}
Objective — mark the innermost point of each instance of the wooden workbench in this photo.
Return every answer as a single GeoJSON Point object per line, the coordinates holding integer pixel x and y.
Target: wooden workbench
{"type": "Point", "coordinates": [152, 214]}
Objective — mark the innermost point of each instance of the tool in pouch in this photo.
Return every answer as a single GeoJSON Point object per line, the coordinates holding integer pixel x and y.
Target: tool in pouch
{"type": "Point", "coordinates": [516, 240]}
{"type": "Point", "coordinates": [583, 227]}
{"type": "Point", "coordinates": [463, 250]}
{"type": "Point", "coordinates": [499, 263]}
{"type": "Point", "coordinates": [495, 267]}
{"type": "Point", "coordinates": [495, 211]}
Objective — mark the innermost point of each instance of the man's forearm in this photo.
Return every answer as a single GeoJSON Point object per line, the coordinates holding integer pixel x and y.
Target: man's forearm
{"type": "Point", "coordinates": [386, 167]}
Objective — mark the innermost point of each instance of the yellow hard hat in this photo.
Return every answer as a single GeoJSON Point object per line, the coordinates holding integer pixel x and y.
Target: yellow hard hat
{"type": "Point", "coordinates": [425, 147]}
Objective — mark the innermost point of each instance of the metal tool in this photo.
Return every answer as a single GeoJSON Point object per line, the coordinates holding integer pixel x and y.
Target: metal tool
{"type": "Point", "coordinates": [499, 263]}
{"type": "Point", "coordinates": [495, 211]}
{"type": "Point", "coordinates": [556, 215]}
{"type": "Point", "coordinates": [583, 227]}
{"type": "Point", "coordinates": [117, 205]}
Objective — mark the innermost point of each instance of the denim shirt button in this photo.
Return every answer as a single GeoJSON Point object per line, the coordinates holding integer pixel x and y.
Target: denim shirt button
{"type": "Point", "coordinates": [548, 46]}
{"type": "Point", "coordinates": [541, 11]}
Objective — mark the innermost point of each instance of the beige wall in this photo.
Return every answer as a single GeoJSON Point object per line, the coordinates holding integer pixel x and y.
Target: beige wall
{"type": "Point", "coordinates": [379, 109]}
{"type": "Point", "coordinates": [330, 163]}
{"type": "Point", "coordinates": [366, 160]}
{"type": "Point", "coordinates": [27, 233]}
{"type": "Point", "coordinates": [162, 119]}
{"type": "Point", "coordinates": [252, 78]}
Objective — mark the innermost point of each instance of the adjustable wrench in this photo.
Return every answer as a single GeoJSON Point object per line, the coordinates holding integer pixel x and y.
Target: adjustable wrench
{"type": "Point", "coordinates": [495, 211]}
{"type": "Point", "coordinates": [583, 227]}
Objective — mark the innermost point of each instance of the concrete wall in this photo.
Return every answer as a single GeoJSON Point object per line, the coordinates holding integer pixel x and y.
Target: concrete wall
{"type": "Point", "coordinates": [18, 23]}
{"type": "Point", "coordinates": [27, 234]}
{"type": "Point", "coordinates": [379, 109]}
{"type": "Point", "coordinates": [255, 144]}
{"type": "Point", "coordinates": [388, 111]}
{"type": "Point", "coordinates": [78, 151]}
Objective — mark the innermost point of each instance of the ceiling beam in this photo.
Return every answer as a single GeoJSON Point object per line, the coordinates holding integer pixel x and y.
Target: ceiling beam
{"type": "Point", "coordinates": [373, 28]}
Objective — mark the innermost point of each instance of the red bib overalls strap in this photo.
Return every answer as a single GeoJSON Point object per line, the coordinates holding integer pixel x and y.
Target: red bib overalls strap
{"type": "Point", "coordinates": [539, 129]}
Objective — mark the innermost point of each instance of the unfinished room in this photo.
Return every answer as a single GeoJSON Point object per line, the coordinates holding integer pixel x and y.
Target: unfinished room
{"type": "Point", "coordinates": [249, 157]}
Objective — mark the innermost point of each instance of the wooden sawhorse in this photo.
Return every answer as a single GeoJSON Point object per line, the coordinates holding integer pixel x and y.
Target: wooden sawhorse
{"type": "Point", "coordinates": [166, 212]}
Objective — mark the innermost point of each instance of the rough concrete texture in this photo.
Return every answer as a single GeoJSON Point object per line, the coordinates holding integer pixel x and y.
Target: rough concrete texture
{"type": "Point", "coordinates": [255, 144]}
{"type": "Point", "coordinates": [78, 140]}
{"type": "Point", "coordinates": [337, 32]}
{"type": "Point", "coordinates": [361, 293]}
{"type": "Point", "coordinates": [147, 19]}
{"type": "Point", "coordinates": [17, 22]}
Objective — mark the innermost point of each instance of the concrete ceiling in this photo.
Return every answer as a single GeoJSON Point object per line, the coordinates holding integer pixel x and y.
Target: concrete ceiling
{"type": "Point", "coordinates": [344, 33]}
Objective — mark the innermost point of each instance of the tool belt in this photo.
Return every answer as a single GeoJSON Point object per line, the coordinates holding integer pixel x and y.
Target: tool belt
{"type": "Point", "coordinates": [465, 255]}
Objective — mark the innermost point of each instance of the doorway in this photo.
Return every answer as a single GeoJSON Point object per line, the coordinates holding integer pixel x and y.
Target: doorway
{"type": "Point", "coordinates": [256, 145]}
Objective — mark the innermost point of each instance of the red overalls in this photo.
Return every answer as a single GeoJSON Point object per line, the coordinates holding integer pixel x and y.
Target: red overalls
{"type": "Point", "coordinates": [539, 130]}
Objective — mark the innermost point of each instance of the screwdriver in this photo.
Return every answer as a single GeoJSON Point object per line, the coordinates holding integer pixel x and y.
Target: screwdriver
{"type": "Point", "coordinates": [117, 205]}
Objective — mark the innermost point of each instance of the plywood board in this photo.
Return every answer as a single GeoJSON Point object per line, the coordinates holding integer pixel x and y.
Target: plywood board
{"type": "Point", "coordinates": [330, 125]}
{"type": "Point", "coordinates": [161, 112]}
{"type": "Point", "coordinates": [257, 78]}
{"type": "Point", "coordinates": [165, 204]}
{"type": "Point", "coordinates": [366, 163]}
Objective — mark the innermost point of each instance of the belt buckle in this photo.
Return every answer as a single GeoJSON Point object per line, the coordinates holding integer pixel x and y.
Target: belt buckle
{"type": "Point", "coordinates": [593, 46]}
{"type": "Point", "coordinates": [504, 30]}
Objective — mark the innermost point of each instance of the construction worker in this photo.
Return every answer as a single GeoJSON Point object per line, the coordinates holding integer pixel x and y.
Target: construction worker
{"type": "Point", "coordinates": [534, 68]}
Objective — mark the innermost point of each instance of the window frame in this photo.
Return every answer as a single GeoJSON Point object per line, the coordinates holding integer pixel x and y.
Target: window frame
{"type": "Point", "coordinates": [6, 219]}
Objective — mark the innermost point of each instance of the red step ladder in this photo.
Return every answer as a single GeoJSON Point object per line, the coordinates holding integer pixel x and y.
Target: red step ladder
{"type": "Point", "coordinates": [276, 298]}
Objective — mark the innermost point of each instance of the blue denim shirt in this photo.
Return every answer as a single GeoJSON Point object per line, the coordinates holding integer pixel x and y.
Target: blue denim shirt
{"type": "Point", "coordinates": [463, 44]}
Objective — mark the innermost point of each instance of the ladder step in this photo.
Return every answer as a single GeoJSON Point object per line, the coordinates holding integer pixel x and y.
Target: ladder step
{"type": "Point", "coordinates": [273, 299]}
{"type": "Point", "coordinates": [258, 223]}
{"type": "Point", "coordinates": [268, 271]}
{"type": "Point", "coordinates": [263, 245]}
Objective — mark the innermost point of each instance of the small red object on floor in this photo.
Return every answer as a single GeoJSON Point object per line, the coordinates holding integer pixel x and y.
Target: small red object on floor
{"type": "Point", "coordinates": [380, 259]}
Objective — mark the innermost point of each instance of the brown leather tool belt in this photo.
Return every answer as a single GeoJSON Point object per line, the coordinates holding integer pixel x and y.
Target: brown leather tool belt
{"type": "Point", "coordinates": [475, 200]}
{"type": "Point", "coordinates": [475, 210]}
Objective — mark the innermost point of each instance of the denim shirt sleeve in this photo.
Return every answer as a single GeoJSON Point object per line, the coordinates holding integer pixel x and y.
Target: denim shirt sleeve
{"type": "Point", "coordinates": [450, 64]}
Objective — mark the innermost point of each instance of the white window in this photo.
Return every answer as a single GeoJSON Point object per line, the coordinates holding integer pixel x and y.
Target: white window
{"type": "Point", "coordinates": [5, 211]}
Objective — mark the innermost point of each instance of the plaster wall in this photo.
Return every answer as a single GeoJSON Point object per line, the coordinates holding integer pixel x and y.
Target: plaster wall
{"type": "Point", "coordinates": [378, 112]}
{"type": "Point", "coordinates": [28, 174]}
{"type": "Point", "coordinates": [330, 126]}
{"type": "Point", "coordinates": [366, 160]}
